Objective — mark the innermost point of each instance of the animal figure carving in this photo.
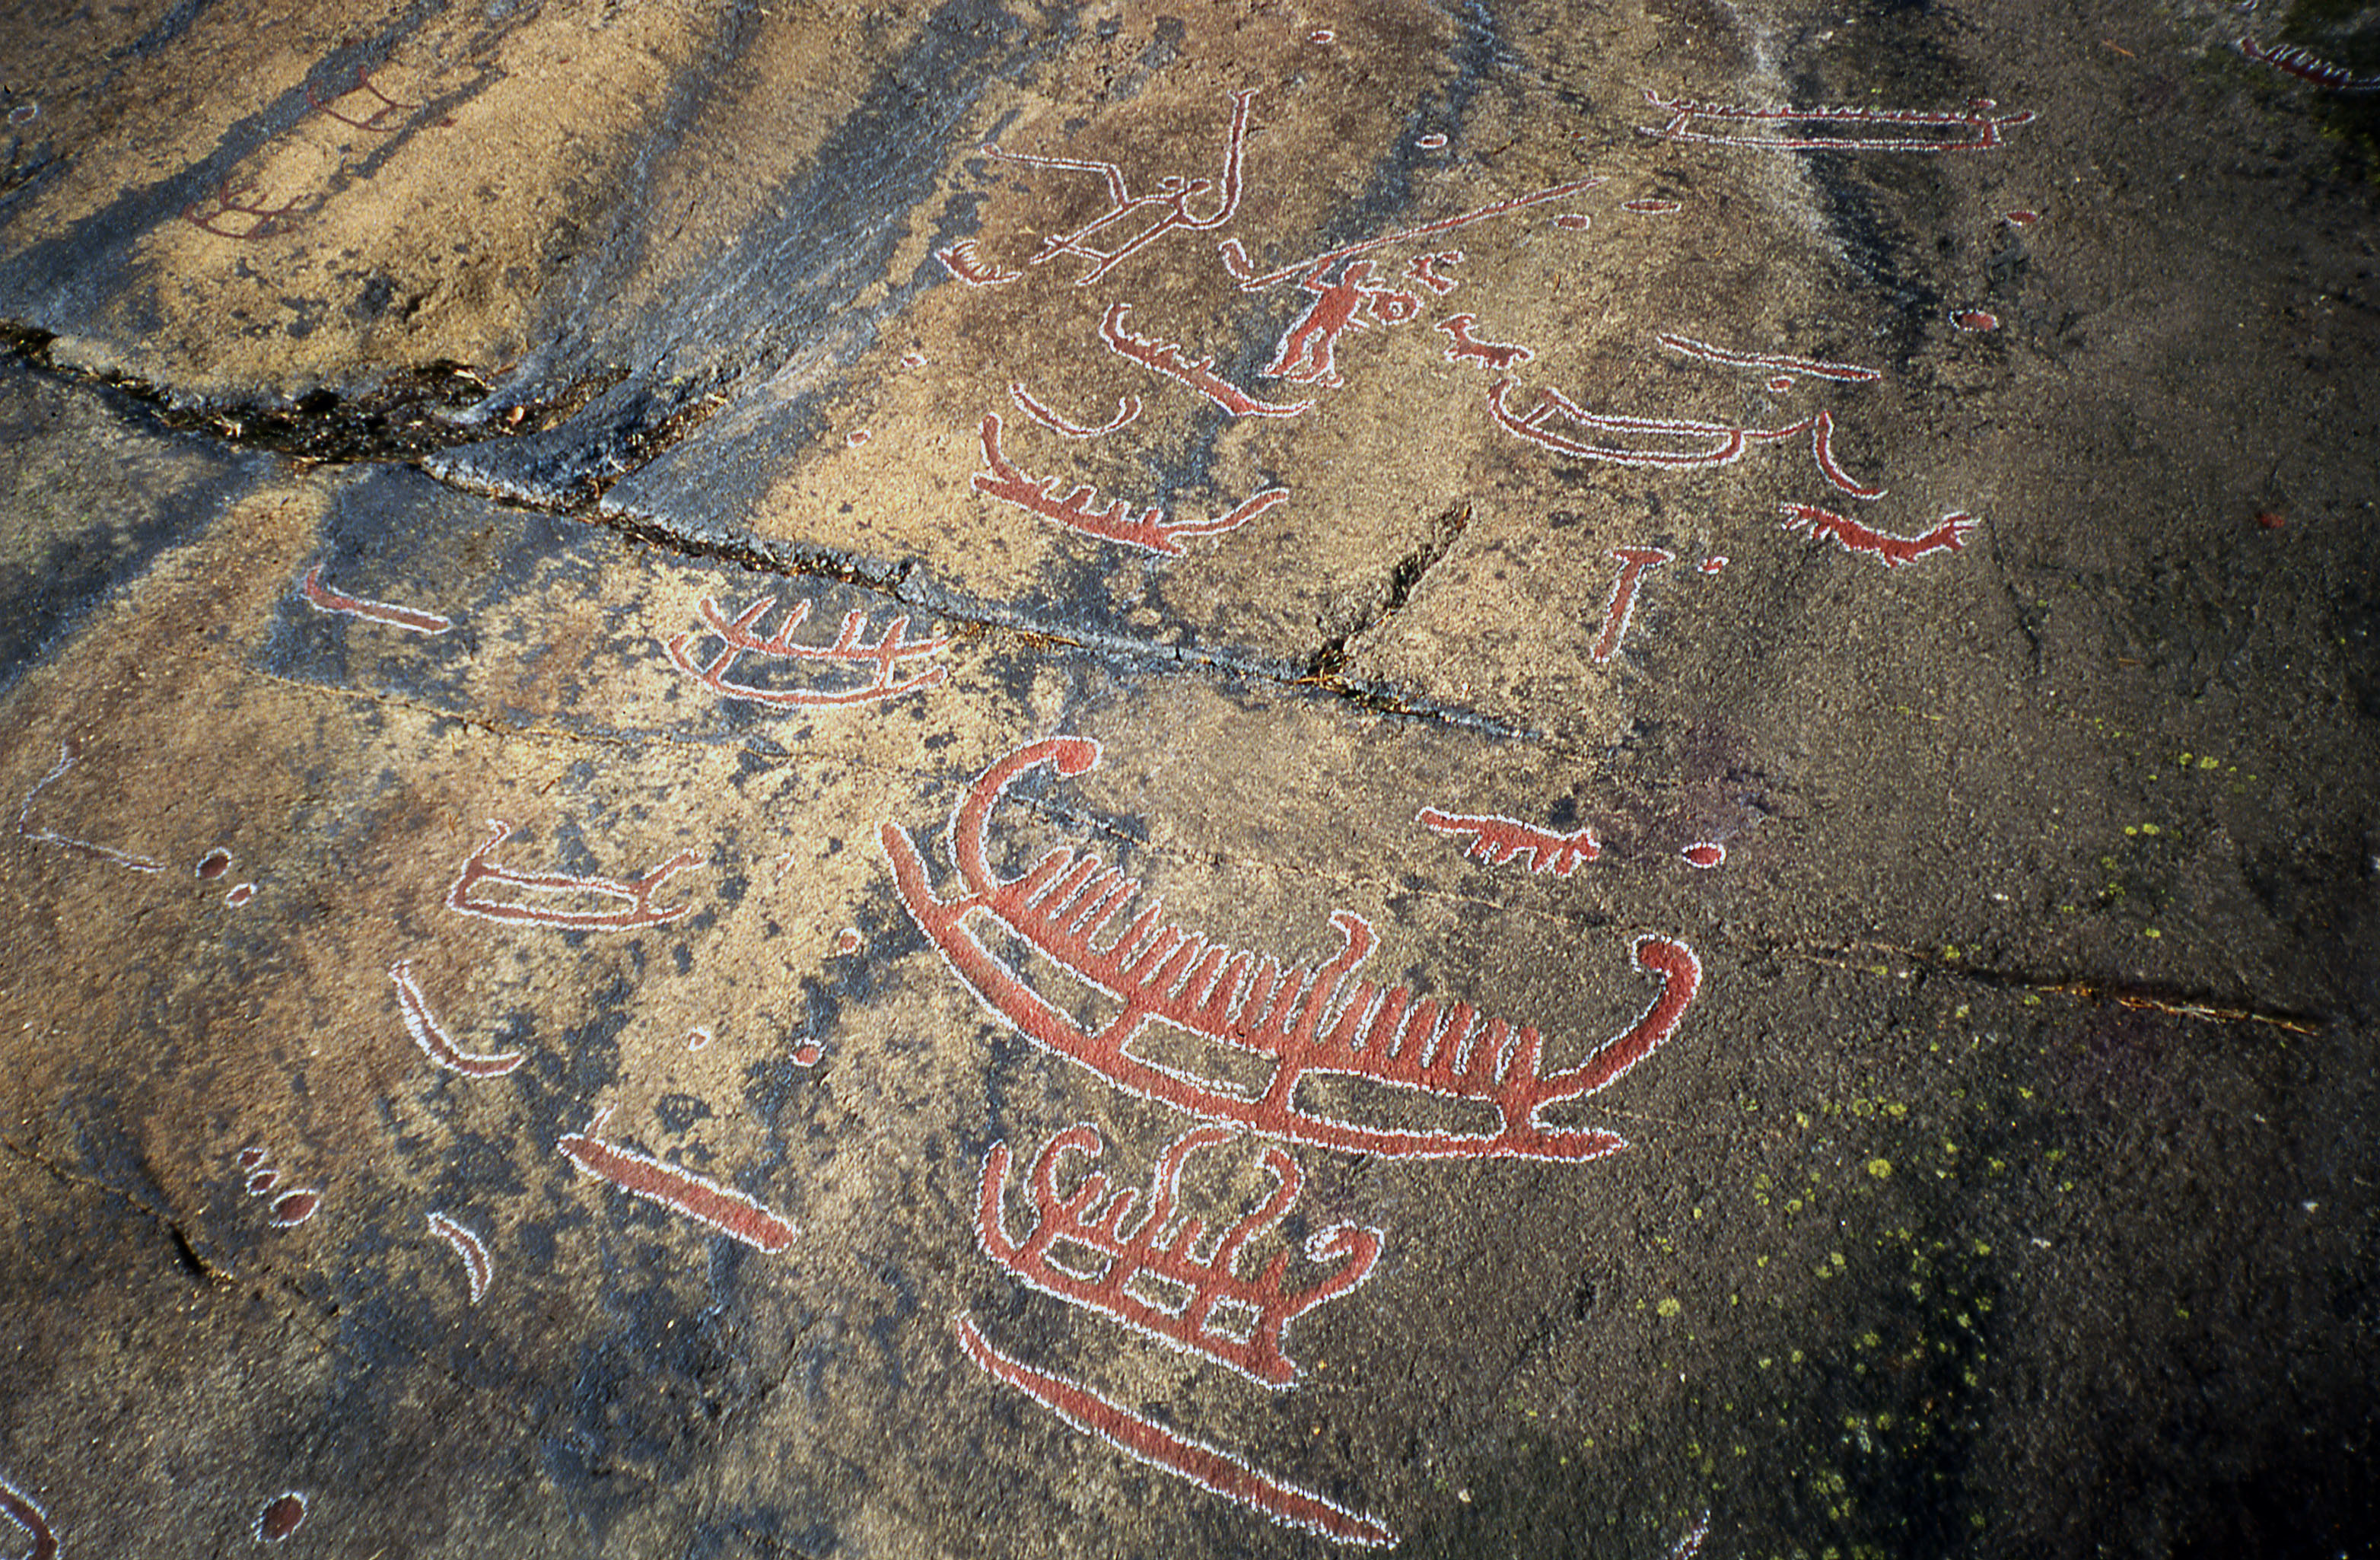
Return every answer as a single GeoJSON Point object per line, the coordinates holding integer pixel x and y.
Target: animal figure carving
{"type": "Point", "coordinates": [1316, 1021]}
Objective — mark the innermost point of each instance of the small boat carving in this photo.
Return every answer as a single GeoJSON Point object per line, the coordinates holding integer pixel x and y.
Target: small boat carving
{"type": "Point", "coordinates": [1317, 1021]}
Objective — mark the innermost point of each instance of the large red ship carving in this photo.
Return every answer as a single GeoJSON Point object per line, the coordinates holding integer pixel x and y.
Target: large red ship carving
{"type": "Point", "coordinates": [1316, 1021]}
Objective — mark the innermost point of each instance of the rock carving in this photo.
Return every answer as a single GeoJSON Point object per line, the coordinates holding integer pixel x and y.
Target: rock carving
{"type": "Point", "coordinates": [1214, 1310]}
{"type": "Point", "coordinates": [1316, 1021]}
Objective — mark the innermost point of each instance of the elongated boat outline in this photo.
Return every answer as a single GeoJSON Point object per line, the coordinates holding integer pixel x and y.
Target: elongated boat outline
{"type": "Point", "coordinates": [1317, 1021]}
{"type": "Point", "coordinates": [1202, 1463]}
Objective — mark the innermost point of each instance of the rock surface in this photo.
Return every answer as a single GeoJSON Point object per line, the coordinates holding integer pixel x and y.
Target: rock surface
{"type": "Point", "coordinates": [1761, 620]}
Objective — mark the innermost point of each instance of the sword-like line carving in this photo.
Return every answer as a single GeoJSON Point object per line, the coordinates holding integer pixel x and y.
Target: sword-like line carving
{"type": "Point", "coordinates": [737, 639]}
{"type": "Point", "coordinates": [697, 1196]}
{"type": "Point", "coordinates": [322, 598]}
{"type": "Point", "coordinates": [1236, 1321]}
{"type": "Point", "coordinates": [1314, 1021]}
{"type": "Point", "coordinates": [637, 890]}
{"type": "Point", "coordinates": [1151, 532]}
{"type": "Point", "coordinates": [1144, 1440]}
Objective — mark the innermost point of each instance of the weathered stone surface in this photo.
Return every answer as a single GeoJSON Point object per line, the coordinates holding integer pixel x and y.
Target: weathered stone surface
{"type": "Point", "coordinates": [511, 586]}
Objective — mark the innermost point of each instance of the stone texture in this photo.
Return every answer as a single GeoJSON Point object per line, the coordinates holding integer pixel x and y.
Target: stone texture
{"type": "Point", "coordinates": [477, 1081]}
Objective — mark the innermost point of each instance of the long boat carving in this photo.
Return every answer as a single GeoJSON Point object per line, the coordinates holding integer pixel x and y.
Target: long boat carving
{"type": "Point", "coordinates": [1316, 1021]}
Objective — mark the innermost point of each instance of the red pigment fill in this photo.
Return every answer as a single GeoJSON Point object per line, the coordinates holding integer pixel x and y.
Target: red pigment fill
{"type": "Point", "coordinates": [1161, 1246]}
{"type": "Point", "coordinates": [283, 1515]}
{"type": "Point", "coordinates": [806, 1053]}
{"type": "Point", "coordinates": [1574, 221]}
{"type": "Point", "coordinates": [1652, 207]}
{"type": "Point", "coordinates": [1209, 1467]}
{"type": "Point", "coordinates": [847, 943]}
{"type": "Point", "coordinates": [696, 1195]}
{"type": "Point", "coordinates": [213, 864]}
{"type": "Point", "coordinates": [250, 1158]}
{"type": "Point", "coordinates": [295, 1207]}
{"type": "Point", "coordinates": [2270, 520]}
{"type": "Point", "coordinates": [240, 894]}
{"type": "Point", "coordinates": [1706, 854]}
{"type": "Point", "coordinates": [1976, 320]}
{"type": "Point", "coordinates": [1713, 563]}
{"type": "Point", "coordinates": [1320, 35]}
{"type": "Point", "coordinates": [1308, 1018]}
{"type": "Point", "coordinates": [857, 437]}
{"type": "Point", "coordinates": [1430, 143]}
{"type": "Point", "coordinates": [262, 1181]}
{"type": "Point", "coordinates": [697, 1039]}
{"type": "Point", "coordinates": [32, 1519]}
{"type": "Point", "coordinates": [2020, 218]}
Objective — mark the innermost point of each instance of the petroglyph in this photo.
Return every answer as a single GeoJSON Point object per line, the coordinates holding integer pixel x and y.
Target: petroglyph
{"type": "Point", "coordinates": [1137, 1436]}
{"type": "Point", "coordinates": [1319, 1021]}
{"type": "Point", "coordinates": [1151, 1277]}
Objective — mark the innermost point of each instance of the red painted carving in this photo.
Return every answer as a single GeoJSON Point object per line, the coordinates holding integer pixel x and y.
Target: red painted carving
{"type": "Point", "coordinates": [1652, 206]}
{"type": "Point", "coordinates": [960, 260]}
{"type": "Point", "coordinates": [1172, 198]}
{"type": "Point", "coordinates": [468, 1247]}
{"type": "Point", "coordinates": [851, 648]}
{"type": "Point", "coordinates": [1633, 562]}
{"type": "Point", "coordinates": [23, 1510]}
{"type": "Point", "coordinates": [1166, 358]}
{"type": "Point", "coordinates": [1728, 441]}
{"type": "Point", "coordinates": [1772, 362]}
{"type": "Point", "coordinates": [1127, 412]}
{"type": "Point", "coordinates": [229, 212]}
{"type": "Point", "coordinates": [1236, 1321]}
{"type": "Point", "coordinates": [323, 599]}
{"type": "Point", "coordinates": [1236, 258]}
{"type": "Point", "coordinates": [429, 1034]}
{"type": "Point", "coordinates": [697, 1196]}
{"type": "Point", "coordinates": [1308, 351]}
{"type": "Point", "coordinates": [290, 1209]}
{"type": "Point", "coordinates": [380, 121]}
{"type": "Point", "coordinates": [282, 1516]}
{"type": "Point", "coordinates": [1704, 854]}
{"type": "Point", "coordinates": [68, 756]}
{"type": "Point", "coordinates": [1864, 129]}
{"type": "Point", "coordinates": [1574, 222]}
{"type": "Point", "coordinates": [1423, 268]}
{"type": "Point", "coordinates": [1151, 532]}
{"type": "Point", "coordinates": [1464, 348]}
{"type": "Point", "coordinates": [1976, 320]}
{"type": "Point", "coordinates": [1892, 551]}
{"type": "Point", "coordinates": [1144, 1440]}
{"type": "Point", "coordinates": [638, 891]}
{"type": "Point", "coordinates": [1497, 840]}
{"type": "Point", "coordinates": [2311, 67]}
{"type": "Point", "coordinates": [1318, 1019]}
